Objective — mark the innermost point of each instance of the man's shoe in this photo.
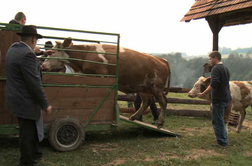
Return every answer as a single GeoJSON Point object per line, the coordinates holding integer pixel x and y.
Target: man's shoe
{"type": "Point", "coordinates": [219, 145]}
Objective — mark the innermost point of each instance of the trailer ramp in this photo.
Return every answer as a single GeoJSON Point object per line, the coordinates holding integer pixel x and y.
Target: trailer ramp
{"type": "Point", "coordinates": [148, 126]}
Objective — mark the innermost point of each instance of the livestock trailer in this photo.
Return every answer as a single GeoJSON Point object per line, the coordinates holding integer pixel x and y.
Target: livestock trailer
{"type": "Point", "coordinates": [81, 102]}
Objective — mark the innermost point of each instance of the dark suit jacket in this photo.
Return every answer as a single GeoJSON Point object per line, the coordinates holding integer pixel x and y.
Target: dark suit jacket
{"type": "Point", "coordinates": [24, 93]}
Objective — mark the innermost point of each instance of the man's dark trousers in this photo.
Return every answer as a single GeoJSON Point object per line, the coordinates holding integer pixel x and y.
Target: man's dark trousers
{"type": "Point", "coordinates": [28, 141]}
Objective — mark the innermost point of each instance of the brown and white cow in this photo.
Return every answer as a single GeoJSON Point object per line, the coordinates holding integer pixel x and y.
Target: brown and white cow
{"type": "Point", "coordinates": [138, 72]}
{"type": "Point", "coordinates": [241, 93]}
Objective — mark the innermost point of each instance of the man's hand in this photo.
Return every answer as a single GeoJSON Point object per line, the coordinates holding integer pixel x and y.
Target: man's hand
{"type": "Point", "coordinates": [207, 91]}
{"type": "Point", "coordinates": [37, 50]}
{"type": "Point", "coordinates": [201, 95]}
{"type": "Point", "coordinates": [48, 52]}
{"type": "Point", "coordinates": [48, 110]}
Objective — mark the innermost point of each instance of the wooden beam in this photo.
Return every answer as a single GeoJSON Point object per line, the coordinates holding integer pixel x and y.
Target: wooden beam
{"type": "Point", "coordinates": [215, 25]}
{"type": "Point", "coordinates": [176, 112]}
{"type": "Point", "coordinates": [169, 100]}
{"type": "Point", "coordinates": [237, 17]}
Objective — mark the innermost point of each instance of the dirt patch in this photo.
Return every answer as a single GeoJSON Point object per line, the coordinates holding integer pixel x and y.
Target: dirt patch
{"type": "Point", "coordinates": [106, 147]}
{"type": "Point", "coordinates": [148, 159]}
{"type": "Point", "coordinates": [122, 161]}
{"type": "Point", "coordinates": [195, 131]}
{"type": "Point", "coordinates": [196, 153]}
{"type": "Point", "coordinates": [248, 153]}
{"type": "Point", "coordinates": [193, 154]}
{"type": "Point", "coordinates": [247, 125]}
{"type": "Point", "coordinates": [116, 162]}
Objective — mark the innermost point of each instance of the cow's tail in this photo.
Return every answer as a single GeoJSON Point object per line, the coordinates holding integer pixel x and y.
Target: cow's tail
{"type": "Point", "coordinates": [168, 80]}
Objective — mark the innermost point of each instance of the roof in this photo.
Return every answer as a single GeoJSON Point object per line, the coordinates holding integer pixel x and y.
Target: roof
{"type": "Point", "coordinates": [232, 11]}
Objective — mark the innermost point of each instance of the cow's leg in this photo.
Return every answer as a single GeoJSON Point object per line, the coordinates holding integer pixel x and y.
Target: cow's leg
{"type": "Point", "coordinates": [159, 95]}
{"type": "Point", "coordinates": [145, 104]}
{"type": "Point", "coordinates": [137, 104]}
{"type": "Point", "coordinates": [227, 114]}
{"type": "Point", "coordinates": [162, 102]}
{"type": "Point", "coordinates": [157, 89]}
{"type": "Point", "coordinates": [241, 119]}
{"type": "Point", "coordinates": [154, 110]}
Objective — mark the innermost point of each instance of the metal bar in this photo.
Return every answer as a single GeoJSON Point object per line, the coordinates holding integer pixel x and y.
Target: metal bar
{"type": "Point", "coordinates": [10, 26]}
{"type": "Point", "coordinates": [64, 29]}
{"type": "Point", "coordinates": [74, 30]}
{"type": "Point", "coordinates": [79, 86]}
{"type": "Point", "coordinates": [63, 49]}
{"type": "Point", "coordinates": [99, 106]}
{"type": "Point", "coordinates": [117, 80]}
{"type": "Point", "coordinates": [100, 127]}
{"type": "Point", "coordinates": [8, 130]}
{"type": "Point", "coordinates": [76, 39]}
{"type": "Point", "coordinates": [77, 74]}
{"type": "Point", "coordinates": [75, 59]}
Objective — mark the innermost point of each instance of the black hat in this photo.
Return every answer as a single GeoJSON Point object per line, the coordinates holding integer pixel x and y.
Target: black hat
{"type": "Point", "coordinates": [48, 44]}
{"type": "Point", "coordinates": [29, 30]}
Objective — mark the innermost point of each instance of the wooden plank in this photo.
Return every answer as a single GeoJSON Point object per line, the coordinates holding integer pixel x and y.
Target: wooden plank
{"type": "Point", "coordinates": [81, 80]}
{"type": "Point", "coordinates": [179, 90]}
{"type": "Point", "coordinates": [148, 126]}
{"type": "Point", "coordinates": [6, 40]}
{"type": "Point", "coordinates": [169, 100]}
{"type": "Point", "coordinates": [5, 116]}
{"type": "Point", "coordinates": [105, 115]}
{"type": "Point", "coordinates": [193, 113]}
{"type": "Point", "coordinates": [80, 103]}
{"type": "Point", "coordinates": [66, 92]}
{"type": "Point", "coordinates": [182, 112]}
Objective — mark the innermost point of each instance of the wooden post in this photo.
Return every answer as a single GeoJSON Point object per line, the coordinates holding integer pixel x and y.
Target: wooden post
{"type": "Point", "coordinates": [215, 24]}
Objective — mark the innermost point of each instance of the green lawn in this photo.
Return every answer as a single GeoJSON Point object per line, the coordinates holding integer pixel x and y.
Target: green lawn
{"type": "Point", "coordinates": [136, 146]}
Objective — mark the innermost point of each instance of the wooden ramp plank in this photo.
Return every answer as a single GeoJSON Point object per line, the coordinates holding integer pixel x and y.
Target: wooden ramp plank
{"type": "Point", "coordinates": [148, 126]}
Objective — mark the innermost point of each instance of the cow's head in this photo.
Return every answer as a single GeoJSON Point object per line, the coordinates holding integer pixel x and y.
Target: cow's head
{"type": "Point", "coordinates": [199, 86]}
{"type": "Point", "coordinates": [54, 64]}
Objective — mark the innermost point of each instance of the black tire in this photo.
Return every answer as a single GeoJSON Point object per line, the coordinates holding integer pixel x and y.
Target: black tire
{"type": "Point", "coordinates": [66, 134]}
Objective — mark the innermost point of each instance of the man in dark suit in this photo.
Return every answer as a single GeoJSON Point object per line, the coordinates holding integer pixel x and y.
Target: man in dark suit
{"type": "Point", "coordinates": [24, 93]}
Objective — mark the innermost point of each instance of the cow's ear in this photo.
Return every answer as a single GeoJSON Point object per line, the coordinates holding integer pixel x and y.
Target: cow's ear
{"type": "Point", "coordinates": [207, 81]}
{"type": "Point", "coordinates": [67, 42]}
{"type": "Point", "coordinates": [58, 44]}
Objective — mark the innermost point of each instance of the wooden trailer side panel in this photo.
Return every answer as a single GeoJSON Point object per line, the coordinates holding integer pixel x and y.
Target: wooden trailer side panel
{"type": "Point", "coordinates": [80, 102]}
{"type": "Point", "coordinates": [8, 37]}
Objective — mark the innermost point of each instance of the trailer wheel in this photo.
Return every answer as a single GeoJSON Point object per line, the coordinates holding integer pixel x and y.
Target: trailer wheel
{"type": "Point", "coordinates": [66, 134]}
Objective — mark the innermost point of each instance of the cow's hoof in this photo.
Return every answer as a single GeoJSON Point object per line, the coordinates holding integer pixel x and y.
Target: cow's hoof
{"type": "Point", "coordinates": [159, 126]}
{"type": "Point", "coordinates": [237, 131]}
{"type": "Point", "coordinates": [154, 122]}
{"type": "Point", "coordinates": [136, 117]}
{"type": "Point", "coordinates": [131, 118]}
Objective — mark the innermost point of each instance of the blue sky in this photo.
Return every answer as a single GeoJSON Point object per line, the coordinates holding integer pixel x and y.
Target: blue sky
{"type": "Point", "coordinates": [144, 25]}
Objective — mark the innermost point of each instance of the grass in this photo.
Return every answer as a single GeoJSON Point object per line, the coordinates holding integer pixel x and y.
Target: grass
{"type": "Point", "coordinates": [132, 145]}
